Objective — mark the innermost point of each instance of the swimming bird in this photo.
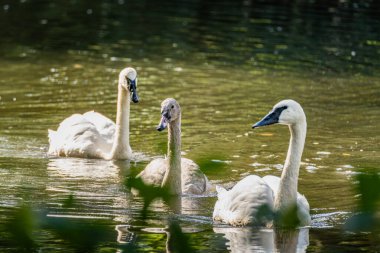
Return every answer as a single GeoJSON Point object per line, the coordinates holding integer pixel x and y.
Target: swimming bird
{"type": "Point", "coordinates": [178, 175]}
{"type": "Point", "coordinates": [242, 204]}
{"type": "Point", "coordinates": [92, 135]}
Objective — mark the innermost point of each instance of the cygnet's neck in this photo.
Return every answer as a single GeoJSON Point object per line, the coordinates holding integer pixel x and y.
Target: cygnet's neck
{"type": "Point", "coordinates": [121, 148]}
{"type": "Point", "coordinates": [172, 179]}
{"type": "Point", "coordinates": [287, 191]}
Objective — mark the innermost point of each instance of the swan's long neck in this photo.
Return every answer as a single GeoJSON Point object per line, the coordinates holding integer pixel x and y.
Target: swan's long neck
{"type": "Point", "coordinates": [287, 191]}
{"type": "Point", "coordinates": [172, 179]}
{"type": "Point", "coordinates": [121, 148]}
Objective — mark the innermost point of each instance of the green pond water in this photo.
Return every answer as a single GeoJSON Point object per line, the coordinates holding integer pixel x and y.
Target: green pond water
{"type": "Point", "coordinates": [227, 63]}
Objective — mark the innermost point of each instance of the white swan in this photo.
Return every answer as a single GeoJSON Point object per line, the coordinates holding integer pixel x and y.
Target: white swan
{"type": "Point", "coordinates": [178, 175]}
{"type": "Point", "coordinates": [93, 135]}
{"type": "Point", "coordinates": [241, 205]}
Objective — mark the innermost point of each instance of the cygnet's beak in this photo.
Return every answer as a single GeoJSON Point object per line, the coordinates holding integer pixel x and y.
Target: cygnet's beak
{"type": "Point", "coordinates": [269, 119]}
{"type": "Point", "coordinates": [133, 90]}
{"type": "Point", "coordinates": [163, 123]}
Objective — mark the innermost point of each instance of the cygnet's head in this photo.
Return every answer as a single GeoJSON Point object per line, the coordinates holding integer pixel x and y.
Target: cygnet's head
{"type": "Point", "coordinates": [170, 111]}
{"type": "Point", "coordinates": [128, 80]}
{"type": "Point", "coordinates": [286, 112]}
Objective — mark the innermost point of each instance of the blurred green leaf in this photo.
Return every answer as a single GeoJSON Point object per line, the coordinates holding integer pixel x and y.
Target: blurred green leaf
{"type": "Point", "coordinates": [264, 214]}
{"type": "Point", "coordinates": [21, 225]}
{"type": "Point", "coordinates": [361, 222]}
{"type": "Point", "coordinates": [148, 192]}
{"type": "Point", "coordinates": [177, 241]}
{"type": "Point", "coordinates": [366, 219]}
{"type": "Point", "coordinates": [69, 202]}
{"type": "Point", "coordinates": [287, 218]}
{"type": "Point", "coordinates": [369, 190]}
{"type": "Point", "coordinates": [81, 235]}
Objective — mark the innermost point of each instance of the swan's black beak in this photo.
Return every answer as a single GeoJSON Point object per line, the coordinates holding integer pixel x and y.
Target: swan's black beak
{"type": "Point", "coordinates": [271, 118]}
{"type": "Point", "coordinates": [163, 124]}
{"type": "Point", "coordinates": [133, 90]}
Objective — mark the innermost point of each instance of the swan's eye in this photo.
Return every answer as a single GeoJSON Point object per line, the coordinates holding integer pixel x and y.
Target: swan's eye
{"type": "Point", "coordinates": [131, 84]}
{"type": "Point", "coordinates": [282, 108]}
{"type": "Point", "coordinates": [172, 106]}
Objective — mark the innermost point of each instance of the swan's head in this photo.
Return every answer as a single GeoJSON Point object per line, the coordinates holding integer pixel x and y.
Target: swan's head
{"type": "Point", "coordinates": [286, 112]}
{"type": "Point", "coordinates": [128, 80]}
{"type": "Point", "coordinates": [170, 111]}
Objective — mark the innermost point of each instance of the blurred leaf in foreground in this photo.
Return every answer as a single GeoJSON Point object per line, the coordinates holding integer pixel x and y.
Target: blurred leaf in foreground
{"type": "Point", "coordinates": [264, 214]}
{"type": "Point", "coordinates": [367, 218]}
{"type": "Point", "coordinates": [69, 202]}
{"type": "Point", "coordinates": [82, 235]}
{"type": "Point", "coordinates": [177, 241]}
{"type": "Point", "coordinates": [21, 224]}
{"type": "Point", "coordinates": [287, 218]}
{"type": "Point", "coordinates": [369, 190]}
{"type": "Point", "coordinates": [148, 192]}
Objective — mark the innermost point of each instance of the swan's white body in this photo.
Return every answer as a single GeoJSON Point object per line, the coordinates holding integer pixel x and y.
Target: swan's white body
{"type": "Point", "coordinates": [242, 204]}
{"type": "Point", "coordinates": [83, 135]}
{"type": "Point", "coordinates": [178, 175]}
{"type": "Point", "coordinates": [92, 135]}
{"type": "Point", "coordinates": [193, 181]}
{"type": "Point", "coordinates": [303, 207]}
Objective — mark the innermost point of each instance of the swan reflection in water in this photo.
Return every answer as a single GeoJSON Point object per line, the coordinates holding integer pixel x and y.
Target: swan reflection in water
{"type": "Point", "coordinates": [94, 184]}
{"type": "Point", "coordinates": [176, 240]}
{"type": "Point", "coordinates": [239, 239]}
{"type": "Point", "coordinates": [98, 189]}
{"type": "Point", "coordinates": [246, 239]}
{"type": "Point", "coordinates": [186, 205]}
{"type": "Point", "coordinates": [79, 168]}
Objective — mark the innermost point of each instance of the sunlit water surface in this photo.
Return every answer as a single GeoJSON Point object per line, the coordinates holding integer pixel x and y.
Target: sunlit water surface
{"type": "Point", "coordinates": [227, 65]}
